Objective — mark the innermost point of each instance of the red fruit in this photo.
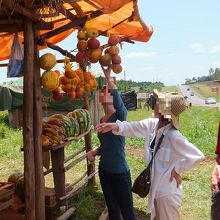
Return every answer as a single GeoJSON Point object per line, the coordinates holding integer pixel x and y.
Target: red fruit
{"type": "Point", "coordinates": [105, 60]}
{"type": "Point", "coordinates": [93, 43]}
{"type": "Point", "coordinates": [113, 50]}
{"type": "Point", "coordinates": [56, 91]}
{"type": "Point", "coordinates": [64, 80]}
{"type": "Point", "coordinates": [117, 68]}
{"type": "Point", "coordinates": [80, 57]}
{"type": "Point", "coordinates": [78, 94]}
{"type": "Point", "coordinates": [113, 40]}
{"type": "Point", "coordinates": [68, 88]}
{"type": "Point", "coordinates": [82, 45]}
{"type": "Point", "coordinates": [71, 94]}
{"type": "Point", "coordinates": [95, 54]}
{"type": "Point", "coordinates": [57, 97]}
{"type": "Point", "coordinates": [116, 59]}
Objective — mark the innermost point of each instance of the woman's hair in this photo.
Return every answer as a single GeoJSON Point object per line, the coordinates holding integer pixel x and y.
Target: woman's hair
{"type": "Point", "coordinates": [163, 119]}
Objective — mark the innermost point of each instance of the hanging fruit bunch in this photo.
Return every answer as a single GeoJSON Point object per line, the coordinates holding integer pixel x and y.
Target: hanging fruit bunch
{"type": "Point", "coordinates": [111, 55]}
{"type": "Point", "coordinates": [49, 78]}
{"type": "Point", "coordinates": [77, 82]}
{"type": "Point", "coordinates": [69, 81]}
{"type": "Point", "coordinates": [88, 82]}
{"type": "Point", "coordinates": [89, 49]}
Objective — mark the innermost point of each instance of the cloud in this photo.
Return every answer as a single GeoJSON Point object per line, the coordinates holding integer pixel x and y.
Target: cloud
{"type": "Point", "coordinates": [140, 54]}
{"type": "Point", "coordinates": [215, 49]}
{"type": "Point", "coordinates": [197, 48]}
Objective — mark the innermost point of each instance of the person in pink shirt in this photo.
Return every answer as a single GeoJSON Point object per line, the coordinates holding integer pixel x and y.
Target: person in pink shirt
{"type": "Point", "coordinates": [217, 149]}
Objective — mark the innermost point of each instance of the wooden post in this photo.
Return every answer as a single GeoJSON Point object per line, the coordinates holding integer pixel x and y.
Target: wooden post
{"type": "Point", "coordinates": [88, 145]}
{"type": "Point", "coordinates": [57, 159]}
{"type": "Point", "coordinates": [37, 126]}
{"type": "Point", "coordinates": [28, 134]}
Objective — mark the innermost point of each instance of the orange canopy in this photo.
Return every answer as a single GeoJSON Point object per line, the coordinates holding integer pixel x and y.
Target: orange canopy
{"type": "Point", "coordinates": [121, 16]}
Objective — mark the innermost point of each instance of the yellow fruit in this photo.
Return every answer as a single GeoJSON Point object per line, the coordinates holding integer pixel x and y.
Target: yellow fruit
{"type": "Point", "coordinates": [92, 32]}
{"type": "Point", "coordinates": [50, 80]}
{"type": "Point", "coordinates": [87, 88]}
{"type": "Point", "coordinates": [47, 61]}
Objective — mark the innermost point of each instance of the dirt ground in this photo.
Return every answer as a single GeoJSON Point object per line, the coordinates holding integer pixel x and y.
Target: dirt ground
{"type": "Point", "coordinates": [135, 152]}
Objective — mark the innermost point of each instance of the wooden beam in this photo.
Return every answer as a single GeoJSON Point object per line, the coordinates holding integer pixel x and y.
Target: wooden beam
{"type": "Point", "coordinates": [77, 9]}
{"type": "Point", "coordinates": [10, 21]}
{"type": "Point", "coordinates": [18, 27]}
{"type": "Point", "coordinates": [11, 28]}
{"type": "Point", "coordinates": [73, 163]}
{"type": "Point", "coordinates": [75, 154]}
{"type": "Point", "coordinates": [3, 64]}
{"type": "Point", "coordinates": [39, 176]}
{"type": "Point", "coordinates": [104, 215]}
{"type": "Point", "coordinates": [88, 145]}
{"type": "Point", "coordinates": [42, 25]}
{"type": "Point", "coordinates": [57, 159]}
{"type": "Point", "coordinates": [21, 10]}
{"type": "Point", "coordinates": [79, 179]}
{"type": "Point", "coordinates": [67, 214]}
{"type": "Point", "coordinates": [75, 23]}
{"type": "Point", "coordinates": [28, 134]}
{"type": "Point", "coordinates": [66, 13]}
{"type": "Point", "coordinates": [75, 191]}
{"type": "Point", "coordinates": [63, 52]}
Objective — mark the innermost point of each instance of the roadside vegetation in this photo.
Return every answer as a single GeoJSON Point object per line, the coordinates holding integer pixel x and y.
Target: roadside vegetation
{"type": "Point", "coordinates": [205, 89]}
{"type": "Point", "coordinates": [199, 125]}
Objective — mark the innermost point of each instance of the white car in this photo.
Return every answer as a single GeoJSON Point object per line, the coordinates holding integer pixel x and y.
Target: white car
{"type": "Point", "coordinates": [210, 100]}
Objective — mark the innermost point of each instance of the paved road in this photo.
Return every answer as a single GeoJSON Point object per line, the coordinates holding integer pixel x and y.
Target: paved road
{"type": "Point", "coordinates": [195, 99]}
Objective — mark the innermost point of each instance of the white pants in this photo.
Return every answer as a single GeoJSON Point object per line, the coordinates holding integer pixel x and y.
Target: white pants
{"type": "Point", "coordinates": [167, 207]}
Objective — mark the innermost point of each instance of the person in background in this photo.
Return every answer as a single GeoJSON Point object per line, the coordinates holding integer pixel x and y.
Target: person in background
{"type": "Point", "coordinates": [175, 155]}
{"type": "Point", "coordinates": [114, 172]}
{"type": "Point", "coordinates": [217, 149]}
{"type": "Point", "coordinates": [215, 182]}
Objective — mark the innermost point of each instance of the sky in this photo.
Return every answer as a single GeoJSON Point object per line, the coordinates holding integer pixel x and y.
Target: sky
{"type": "Point", "coordinates": [185, 43]}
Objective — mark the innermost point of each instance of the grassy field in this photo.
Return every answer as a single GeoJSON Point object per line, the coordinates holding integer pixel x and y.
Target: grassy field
{"type": "Point", "coordinates": [199, 125]}
{"type": "Point", "coordinates": [169, 89]}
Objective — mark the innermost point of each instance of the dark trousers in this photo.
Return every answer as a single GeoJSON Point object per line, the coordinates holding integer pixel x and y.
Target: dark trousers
{"type": "Point", "coordinates": [215, 205]}
{"type": "Point", "coordinates": [118, 195]}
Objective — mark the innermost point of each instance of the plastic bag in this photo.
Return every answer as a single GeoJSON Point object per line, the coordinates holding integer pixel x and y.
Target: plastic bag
{"type": "Point", "coordinates": [15, 65]}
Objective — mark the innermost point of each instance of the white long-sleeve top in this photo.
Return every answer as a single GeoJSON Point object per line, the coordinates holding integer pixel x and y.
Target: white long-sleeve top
{"type": "Point", "coordinates": [175, 152]}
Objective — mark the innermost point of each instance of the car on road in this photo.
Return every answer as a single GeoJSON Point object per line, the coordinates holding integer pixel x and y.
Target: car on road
{"type": "Point", "coordinates": [192, 93]}
{"type": "Point", "coordinates": [210, 100]}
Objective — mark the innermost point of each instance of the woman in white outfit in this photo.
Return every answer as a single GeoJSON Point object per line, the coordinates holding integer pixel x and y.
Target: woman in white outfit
{"type": "Point", "coordinates": [175, 155]}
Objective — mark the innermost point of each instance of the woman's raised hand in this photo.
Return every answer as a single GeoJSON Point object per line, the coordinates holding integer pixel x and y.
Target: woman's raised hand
{"type": "Point", "coordinates": [107, 71]}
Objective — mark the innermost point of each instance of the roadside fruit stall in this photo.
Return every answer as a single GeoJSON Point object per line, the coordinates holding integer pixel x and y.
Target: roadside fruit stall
{"type": "Point", "coordinates": [40, 24]}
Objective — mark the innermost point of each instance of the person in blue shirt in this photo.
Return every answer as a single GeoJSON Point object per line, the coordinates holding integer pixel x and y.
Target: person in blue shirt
{"type": "Point", "coordinates": [114, 172]}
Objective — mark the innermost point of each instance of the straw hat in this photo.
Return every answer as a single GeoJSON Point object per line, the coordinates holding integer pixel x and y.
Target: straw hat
{"type": "Point", "coordinates": [171, 105]}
